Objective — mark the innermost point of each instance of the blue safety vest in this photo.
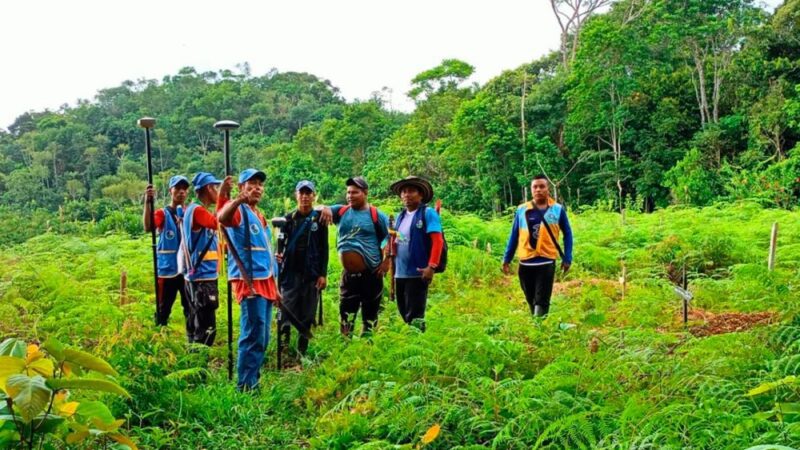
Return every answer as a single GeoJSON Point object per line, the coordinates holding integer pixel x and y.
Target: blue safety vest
{"type": "Point", "coordinates": [168, 243]}
{"type": "Point", "coordinates": [264, 264]}
{"type": "Point", "coordinates": [196, 242]}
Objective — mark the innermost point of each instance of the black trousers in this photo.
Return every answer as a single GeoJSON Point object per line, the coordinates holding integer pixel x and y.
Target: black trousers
{"type": "Point", "coordinates": [364, 291]}
{"type": "Point", "coordinates": [301, 297]}
{"type": "Point", "coordinates": [168, 290]}
{"type": "Point", "coordinates": [412, 298]}
{"type": "Point", "coordinates": [205, 302]}
{"type": "Point", "coordinates": [537, 285]}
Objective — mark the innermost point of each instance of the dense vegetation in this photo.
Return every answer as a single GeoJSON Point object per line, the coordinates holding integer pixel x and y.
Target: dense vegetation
{"type": "Point", "coordinates": [661, 102]}
{"type": "Point", "coordinates": [602, 371]}
{"type": "Point", "coordinates": [684, 115]}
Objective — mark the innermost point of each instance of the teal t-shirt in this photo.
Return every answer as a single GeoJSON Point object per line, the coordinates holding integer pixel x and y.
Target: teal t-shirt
{"type": "Point", "coordinates": [356, 233]}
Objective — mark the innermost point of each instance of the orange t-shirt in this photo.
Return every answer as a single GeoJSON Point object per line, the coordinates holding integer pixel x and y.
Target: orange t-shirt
{"type": "Point", "coordinates": [265, 288]}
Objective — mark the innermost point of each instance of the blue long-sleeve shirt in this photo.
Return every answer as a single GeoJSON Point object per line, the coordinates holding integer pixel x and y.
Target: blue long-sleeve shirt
{"type": "Point", "coordinates": [535, 219]}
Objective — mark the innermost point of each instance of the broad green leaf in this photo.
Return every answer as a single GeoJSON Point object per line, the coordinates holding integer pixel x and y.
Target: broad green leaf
{"type": "Point", "coordinates": [47, 424]}
{"type": "Point", "coordinates": [107, 427]}
{"type": "Point", "coordinates": [55, 348]}
{"type": "Point", "coordinates": [7, 437]}
{"type": "Point", "coordinates": [88, 361]}
{"type": "Point", "coordinates": [29, 394]}
{"type": "Point", "coordinates": [88, 384]}
{"type": "Point", "coordinates": [788, 408]}
{"type": "Point", "coordinates": [770, 385]}
{"type": "Point", "coordinates": [9, 365]}
{"type": "Point", "coordinates": [94, 409]}
{"type": "Point", "coordinates": [13, 347]}
{"type": "Point", "coordinates": [74, 438]}
{"type": "Point", "coordinates": [43, 367]}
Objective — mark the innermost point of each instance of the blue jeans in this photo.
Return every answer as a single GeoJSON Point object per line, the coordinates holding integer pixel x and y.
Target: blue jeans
{"type": "Point", "coordinates": [254, 325]}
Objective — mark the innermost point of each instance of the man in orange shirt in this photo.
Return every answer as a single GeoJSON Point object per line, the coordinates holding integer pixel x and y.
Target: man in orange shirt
{"type": "Point", "coordinates": [167, 223]}
{"type": "Point", "coordinates": [254, 286]}
{"type": "Point", "coordinates": [201, 258]}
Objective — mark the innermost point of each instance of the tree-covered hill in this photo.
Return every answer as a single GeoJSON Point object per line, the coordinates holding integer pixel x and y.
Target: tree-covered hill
{"type": "Point", "coordinates": [661, 102]}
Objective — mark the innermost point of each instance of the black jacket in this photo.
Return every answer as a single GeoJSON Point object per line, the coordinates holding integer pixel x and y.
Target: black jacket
{"type": "Point", "coordinates": [315, 236]}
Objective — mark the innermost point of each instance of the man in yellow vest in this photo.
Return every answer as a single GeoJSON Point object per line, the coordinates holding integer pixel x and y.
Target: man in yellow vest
{"type": "Point", "coordinates": [534, 237]}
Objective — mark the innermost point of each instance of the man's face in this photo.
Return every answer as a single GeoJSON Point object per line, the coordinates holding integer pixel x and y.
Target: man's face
{"type": "Point", "coordinates": [305, 198]}
{"type": "Point", "coordinates": [211, 191]}
{"type": "Point", "coordinates": [356, 197]}
{"type": "Point", "coordinates": [540, 190]}
{"type": "Point", "coordinates": [179, 193]}
{"type": "Point", "coordinates": [411, 197]}
{"type": "Point", "coordinates": [254, 189]}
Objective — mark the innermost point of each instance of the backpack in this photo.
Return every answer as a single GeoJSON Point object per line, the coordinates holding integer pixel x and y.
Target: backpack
{"type": "Point", "coordinates": [373, 211]}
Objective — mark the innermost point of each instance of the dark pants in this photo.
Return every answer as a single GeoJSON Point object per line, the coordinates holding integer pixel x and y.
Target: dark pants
{"type": "Point", "coordinates": [300, 296]}
{"type": "Point", "coordinates": [362, 290]}
{"type": "Point", "coordinates": [412, 297]}
{"type": "Point", "coordinates": [205, 302]}
{"type": "Point", "coordinates": [537, 284]}
{"type": "Point", "coordinates": [168, 290]}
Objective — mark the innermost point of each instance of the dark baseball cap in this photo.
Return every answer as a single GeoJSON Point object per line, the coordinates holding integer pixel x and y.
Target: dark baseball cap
{"type": "Point", "coordinates": [306, 184]}
{"type": "Point", "coordinates": [358, 182]}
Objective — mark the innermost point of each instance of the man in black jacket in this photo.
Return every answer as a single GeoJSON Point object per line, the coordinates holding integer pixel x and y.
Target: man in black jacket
{"type": "Point", "coordinates": [304, 262]}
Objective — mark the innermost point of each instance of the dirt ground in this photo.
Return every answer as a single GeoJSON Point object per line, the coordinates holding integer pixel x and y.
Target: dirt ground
{"type": "Point", "coordinates": [729, 322]}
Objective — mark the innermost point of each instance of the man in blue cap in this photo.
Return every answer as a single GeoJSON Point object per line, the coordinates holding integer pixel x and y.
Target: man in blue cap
{"type": "Point", "coordinates": [252, 274]}
{"type": "Point", "coordinates": [303, 255]}
{"type": "Point", "coordinates": [167, 224]}
{"type": "Point", "coordinates": [201, 258]}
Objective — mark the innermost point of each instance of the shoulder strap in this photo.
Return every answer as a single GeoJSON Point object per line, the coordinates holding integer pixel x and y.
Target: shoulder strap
{"type": "Point", "coordinates": [373, 211]}
{"type": "Point", "coordinates": [175, 220]}
{"type": "Point", "coordinates": [343, 210]}
{"type": "Point", "coordinates": [550, 232]}
{"type": "Point", "coordinates": [299, 232]}
{"type": "Point", "coordinates": [248, 275]}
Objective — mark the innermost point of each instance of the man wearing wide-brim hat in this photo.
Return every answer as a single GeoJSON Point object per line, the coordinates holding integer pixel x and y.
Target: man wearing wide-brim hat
{"type": "Point", "coordinates": [167, 223]}
{"type": "Point", "coordinates": [419, 243]}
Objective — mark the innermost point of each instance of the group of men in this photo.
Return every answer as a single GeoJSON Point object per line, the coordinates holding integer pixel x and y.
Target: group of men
{"type": "Point", "coordinates": [188, 258]}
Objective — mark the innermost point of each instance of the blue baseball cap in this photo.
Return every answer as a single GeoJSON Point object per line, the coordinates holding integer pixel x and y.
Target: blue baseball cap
{"type": "Point", "coordinates": [247, 174]}
{"type": "Point", "coordinates": [178, 179]}
{"type": "Point", "coordinates": [203, 179]}
{"type": "Point", "coordinates": [306, 184]}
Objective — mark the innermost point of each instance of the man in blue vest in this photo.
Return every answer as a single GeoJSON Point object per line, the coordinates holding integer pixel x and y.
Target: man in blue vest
{"type": "Point", "coordinates": [201, 258]}
{"type": "Point", "coordinates": [252, 270]}
{"type": "Point", "coordinates": [419, 243]}
{"type": "Point", "coordinates": [303, 255]}
{"type": "Point", "coordinates": [534, 237]}
{"type": "Point", "coordinates": [167, 224]}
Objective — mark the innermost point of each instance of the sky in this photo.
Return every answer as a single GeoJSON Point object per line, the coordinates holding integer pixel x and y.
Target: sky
{"type": "Point", "coordinates": [55, 52]}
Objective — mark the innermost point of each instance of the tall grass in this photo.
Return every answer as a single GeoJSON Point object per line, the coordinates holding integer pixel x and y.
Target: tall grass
{"type": "Point", "coordinates": [599, 372]}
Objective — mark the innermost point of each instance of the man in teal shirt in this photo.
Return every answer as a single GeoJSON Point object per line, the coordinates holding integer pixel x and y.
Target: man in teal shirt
{"type": "Point", "coordinates": [360, 242]}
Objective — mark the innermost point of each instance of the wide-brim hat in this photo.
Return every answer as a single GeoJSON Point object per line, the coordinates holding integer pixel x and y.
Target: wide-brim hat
{"type": "Point", "coordinates": [423, 185]}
